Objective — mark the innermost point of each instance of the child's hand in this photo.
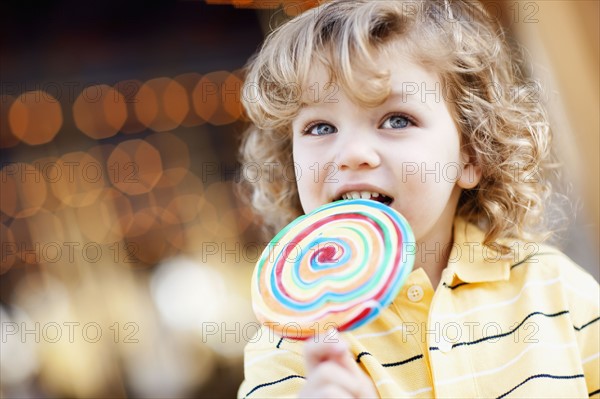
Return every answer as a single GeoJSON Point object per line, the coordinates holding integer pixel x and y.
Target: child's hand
{"type": "Point", "coordinates": [332, 372]}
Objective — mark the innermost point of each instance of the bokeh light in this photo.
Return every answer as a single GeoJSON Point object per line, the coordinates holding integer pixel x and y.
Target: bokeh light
{"type": "Point", "coordinates": [21, 245]}
{"type": "Point", "coordinates": [188, 81]}
{"type": "Point", "coordinates": [100, 111]}
{"type": "Point", "coordinates": [24, 190]}
{"type": "Point", "coordinates": [7, 139]}
{"type": "Point", "coordinates": [18, 357]}
{"type": "Point", "coordinates": [187, 293]}
{"type": "Point", "coordinates": [144, 220]}
{"type": "Point", "coordinates": [231, 91]}
{"type": "Point", "coordinates": [210, 95]}
{"type": "Point", "coordinates": [79, 178]}
{"type": "Point", "coordinates": [172, 369]}
{"type": "Point", "coordinates": [35, 117]}
{"type": "Point", "coordinates": [185, 207]}
{"type": "Point", "coordinates": [161, 104]}
{"type": "Point", "coordinates": [129, 90]}
{"type": "Point", "coordinates": [175, 104]}
{"type": "Point", "coordinates": [9, 249]}
{"type": "Point", "coordinates": [50, 171]}
{"type": "Point", "coordinates": [134, 167]}
{"type": "Point", "coordinates": [115, 201]}
{"type": "Point", "coordinates": [48, 239]}
{"type": "Point", "coordinates": [99, 221]}
{"type": "Point", "coordinates": [146, 235]}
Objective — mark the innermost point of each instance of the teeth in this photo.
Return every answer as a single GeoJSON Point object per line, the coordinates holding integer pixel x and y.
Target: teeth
{"type": "Point", "coordinates": [360, 194]}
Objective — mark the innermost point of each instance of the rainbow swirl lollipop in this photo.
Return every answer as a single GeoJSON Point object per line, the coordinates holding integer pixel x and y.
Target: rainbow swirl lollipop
{"type": "Point", "coordinates": [337, 266]}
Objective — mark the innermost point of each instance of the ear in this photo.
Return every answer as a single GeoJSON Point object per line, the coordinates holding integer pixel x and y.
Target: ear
{"type": "Point", "coordinates": [470, 173]}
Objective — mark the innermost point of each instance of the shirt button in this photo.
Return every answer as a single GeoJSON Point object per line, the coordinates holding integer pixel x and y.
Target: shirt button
{"type": "Point", "coordinates": [445, 346]}
{"type": "Point", "coordinates": [415, 293]}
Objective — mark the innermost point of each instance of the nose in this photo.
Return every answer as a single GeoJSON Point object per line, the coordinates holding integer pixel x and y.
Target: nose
{"type": "Point", "coordinates": [357, 150]}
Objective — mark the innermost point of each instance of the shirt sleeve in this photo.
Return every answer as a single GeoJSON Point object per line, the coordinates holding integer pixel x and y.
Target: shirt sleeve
{"type": "Point", "coordinates": [273, 367]}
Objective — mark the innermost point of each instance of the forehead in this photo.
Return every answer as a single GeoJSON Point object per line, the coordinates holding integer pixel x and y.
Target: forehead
{"type": "Point", "coordinates": [394, 72]}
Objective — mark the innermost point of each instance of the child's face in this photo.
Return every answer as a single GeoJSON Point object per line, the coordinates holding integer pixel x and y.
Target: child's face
{"type": "Point", "coordinates": [406, 150]}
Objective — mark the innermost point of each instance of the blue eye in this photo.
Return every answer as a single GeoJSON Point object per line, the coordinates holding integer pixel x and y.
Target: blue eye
{"type": "Point", "coordinates": [396, 122]}
{"type": "Point", "coordinates": [320, 129]}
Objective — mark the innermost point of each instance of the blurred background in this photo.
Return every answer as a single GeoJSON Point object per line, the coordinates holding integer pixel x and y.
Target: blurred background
{"type": "Point", "coordinates": [126, 254]}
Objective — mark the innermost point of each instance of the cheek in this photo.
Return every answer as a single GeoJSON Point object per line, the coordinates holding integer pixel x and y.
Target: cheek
{"type": "Point", "coordinates": [301, 163]}
{"type": "Point", "coordinates": [437, 168]}
{"type": "Point", "coordinates": [308, 163]}
{"type": "Point", "coordinates": [308, 195]}
{"type": "Point", "coordinates": [304, 183]}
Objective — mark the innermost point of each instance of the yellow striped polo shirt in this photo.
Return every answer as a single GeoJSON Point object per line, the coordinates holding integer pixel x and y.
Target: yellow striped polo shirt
{"type": "Point", "coordinates": [522, 327]}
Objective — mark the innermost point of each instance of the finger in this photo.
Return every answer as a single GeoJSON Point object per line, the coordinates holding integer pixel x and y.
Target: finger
{"type": "Point", "coordinates": [360, 383]}
{"type": "Point", "coordinates": [336, 349]}
{"type": "Point", "coordinates": [331, 374]}
{"type": "Point", "coordinates": [329, 361]}
{"type": "Point", "coordinates": [325, 347]}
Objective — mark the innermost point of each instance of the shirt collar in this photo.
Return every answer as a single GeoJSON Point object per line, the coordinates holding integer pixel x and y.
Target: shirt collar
{"type": "Point", "coordinates": [472, 262]}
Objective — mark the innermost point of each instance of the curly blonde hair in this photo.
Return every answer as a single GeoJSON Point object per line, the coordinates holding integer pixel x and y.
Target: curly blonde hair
{"type": "Point", "coordinates": [499, 115]}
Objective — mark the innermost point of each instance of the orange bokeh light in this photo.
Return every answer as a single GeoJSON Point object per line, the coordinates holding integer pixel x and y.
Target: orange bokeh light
{"type": "Point", "coordinates": [51, 172]}
{"type": "Point", "coordinates": [230, 93]}
{"type": "Point", "coordinates": [100, 111]}
{"type": "Point", "coordinates": [152, 247]}
{"type": "Point", "coordinates": [143, 220]}
{"type": "Point", "coordinates": [24, 190]}
{"type": "Point", "coordinates": [79, 179]}
{"type": "Point", "coordinates": [120, 204]}
{"type": "Point", "coordinates": [146, 104]}
{"type": "Point", "coordinates": [21, 242]}
{"type": "Point", "coordinates": [35, 117]}
{"type": "Point", "coordinates": [161, 104]}
{"type": "Point", "coordinates": [7, 139]}
{"type": "Point", "coordinates": [152, 235]}
{"type": "Point", "coordinates": [185, 207]}
{"type": "Point", "coordinates": [129, 90]}
{"type": "Point", "coordinates": [294, 8]}
{"type": "Point", "coordinates": [212, 92]}
{"type": "Point", "coordinates": [188, 81]}
{"type": "Point", "coordinates": [100, 221]}
{"type": "Point", "coordinates": [9, 249]}
{"type": "Point", "coordinates": [135, 166]}
{"type": "Point", "coordinates": [47, 232]}
{"type": "Point", "coordinates": [175, 102]}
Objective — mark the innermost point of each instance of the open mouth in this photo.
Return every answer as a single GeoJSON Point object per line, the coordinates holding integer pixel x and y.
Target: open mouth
{"type": "Point", "coordinates": [371, 195]}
